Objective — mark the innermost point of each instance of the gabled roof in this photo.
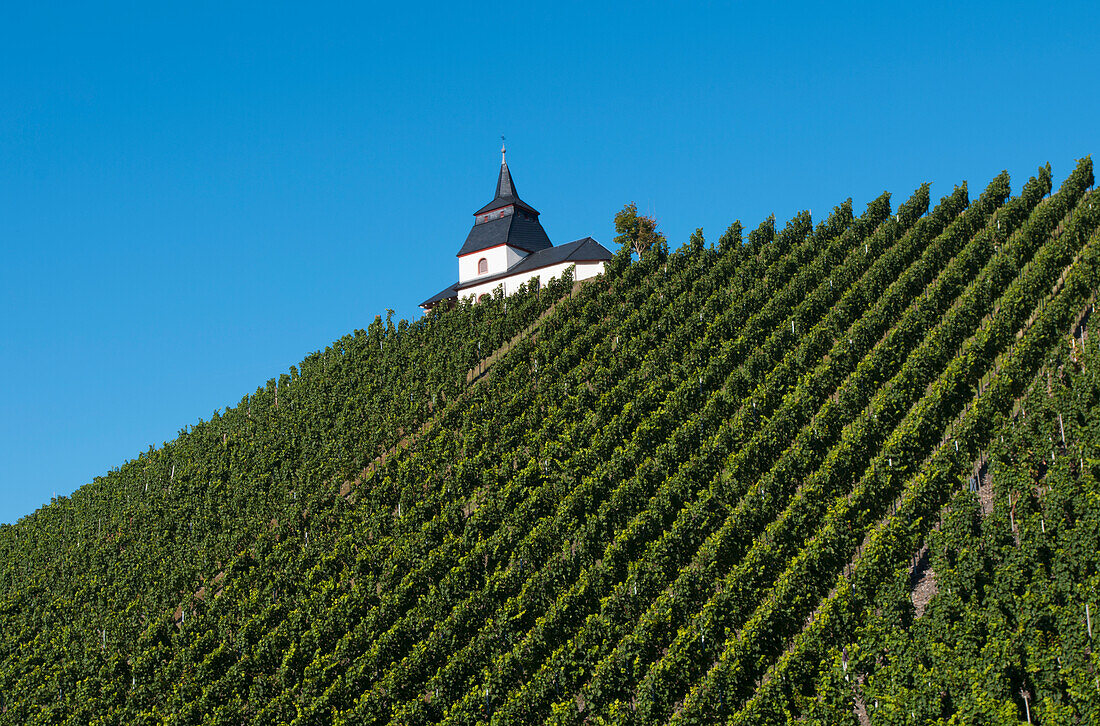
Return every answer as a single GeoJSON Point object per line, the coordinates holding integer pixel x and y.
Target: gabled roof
{"type": "Point", "coordinates": [516, 230]}
{"type": "Point", "coordinates": [582, 250]}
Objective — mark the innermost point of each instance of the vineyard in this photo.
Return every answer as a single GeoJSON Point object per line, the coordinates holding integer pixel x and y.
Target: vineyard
{"type": "Point", "coordinates": [844, 472]}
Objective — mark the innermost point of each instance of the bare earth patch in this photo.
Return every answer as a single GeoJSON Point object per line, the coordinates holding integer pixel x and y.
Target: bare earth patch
{"type": "Point", "coordinates": [922, 582]}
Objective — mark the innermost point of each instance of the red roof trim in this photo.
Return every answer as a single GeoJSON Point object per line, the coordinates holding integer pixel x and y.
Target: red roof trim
{"type": "Point", "coordinates": [486, 249]}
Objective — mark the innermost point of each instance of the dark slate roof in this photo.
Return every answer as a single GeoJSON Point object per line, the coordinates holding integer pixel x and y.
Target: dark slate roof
{"type": "Point", "coordinates": [512, 229]}
{"type": "Point", "coordinates": [582, 250]}
{"type": "Point", "coordinates": [447, 293]}
{"type": "Point", "coordinates": [506, 194]}
{"type": "Point", "coordinates": [505, 186]}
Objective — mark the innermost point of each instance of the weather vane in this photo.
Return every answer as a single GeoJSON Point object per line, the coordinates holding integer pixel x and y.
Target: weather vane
{"type": "Point", "coordinates": [502, 147]}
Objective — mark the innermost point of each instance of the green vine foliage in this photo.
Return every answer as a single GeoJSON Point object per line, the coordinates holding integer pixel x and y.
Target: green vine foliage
{"type": "Point", "coordinates": [815, 471]}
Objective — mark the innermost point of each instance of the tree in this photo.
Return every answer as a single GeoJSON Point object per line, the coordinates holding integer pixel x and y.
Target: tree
{"type": "Point", "coordinates": [636, 231]}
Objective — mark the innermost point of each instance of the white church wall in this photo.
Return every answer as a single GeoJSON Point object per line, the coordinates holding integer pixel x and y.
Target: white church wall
{"type": "Point", "coordinates": [584, 270]}
{"type": "Point", "coordinates": [500, 258]}
{"type": "Point", "coordinates": [486, 288]}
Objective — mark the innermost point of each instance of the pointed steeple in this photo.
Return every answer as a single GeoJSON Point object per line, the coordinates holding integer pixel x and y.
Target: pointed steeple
{"type": "Point", "coordinates": [506, 190]}
{"type": "Point", "coordinates": [505, 187]}
{"type": "Point", "coordinates": [507, 220]}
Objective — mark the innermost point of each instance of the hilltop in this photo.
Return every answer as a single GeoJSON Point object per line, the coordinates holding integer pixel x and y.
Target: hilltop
{"type": "Point", "coordinates": [843, 471]}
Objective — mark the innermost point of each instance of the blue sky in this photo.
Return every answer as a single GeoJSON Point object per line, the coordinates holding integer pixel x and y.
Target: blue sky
{"type": "Point", "coordinates": [194, 197]}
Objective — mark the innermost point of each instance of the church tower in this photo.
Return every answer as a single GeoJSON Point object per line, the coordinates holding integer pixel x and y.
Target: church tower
{"type": "Point", "coordinates": [505, 231]}
{"type": "Point", "coordinates": [508, 248]}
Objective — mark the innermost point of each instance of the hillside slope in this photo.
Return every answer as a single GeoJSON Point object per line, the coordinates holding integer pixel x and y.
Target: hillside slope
{"type": "Point", "coordinates": [795, 475]}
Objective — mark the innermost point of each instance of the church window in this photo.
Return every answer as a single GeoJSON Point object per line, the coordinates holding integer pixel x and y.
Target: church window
{"type": "Point", "coordinates": [482, 266]}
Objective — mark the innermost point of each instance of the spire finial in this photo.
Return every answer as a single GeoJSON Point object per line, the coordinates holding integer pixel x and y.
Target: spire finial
{"type": "Point", "coordinates": [502, 149]}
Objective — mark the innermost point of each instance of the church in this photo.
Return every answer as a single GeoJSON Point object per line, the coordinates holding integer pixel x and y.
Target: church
{"type": "Point", "coordinates": [507, 247]}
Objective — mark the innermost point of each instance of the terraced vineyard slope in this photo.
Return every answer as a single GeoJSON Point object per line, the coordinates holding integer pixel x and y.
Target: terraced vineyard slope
{"type": "Point", "coordinates": [843, 472]}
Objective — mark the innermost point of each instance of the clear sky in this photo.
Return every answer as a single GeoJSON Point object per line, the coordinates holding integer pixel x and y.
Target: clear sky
{"type": "Point", "coordinates": [194, 197]}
